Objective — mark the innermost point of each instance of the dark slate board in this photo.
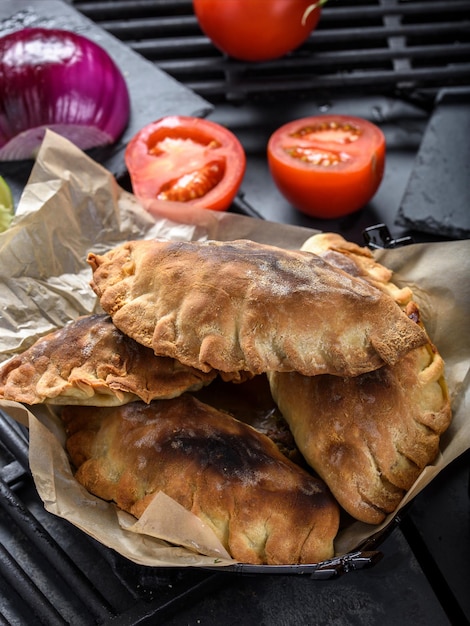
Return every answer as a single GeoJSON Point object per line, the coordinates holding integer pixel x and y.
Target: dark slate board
{"type": "Point", "coordinates": [395, 591]}
{"type": "Point", "coordinates": [437, 197]}
{"type": "Point", "coordinates": [153, 93]}
{"type": "Point", "coordinates": [438, 520]}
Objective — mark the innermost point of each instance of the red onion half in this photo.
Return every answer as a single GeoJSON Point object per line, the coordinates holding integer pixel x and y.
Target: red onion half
{"type": "Point", "coordinates": [56, 79]}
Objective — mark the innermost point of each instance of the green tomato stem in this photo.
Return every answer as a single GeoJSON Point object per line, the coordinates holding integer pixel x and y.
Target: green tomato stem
{"type": "Point", "coordinates": [310, 9]}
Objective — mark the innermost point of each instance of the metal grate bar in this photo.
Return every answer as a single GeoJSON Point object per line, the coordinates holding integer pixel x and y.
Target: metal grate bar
{"type": "Point", "coordinates": [52, 552]}
{"type": "Point", "coordinates": [141, 27]}
{"type": "Point", "coordinates": [395, 8]}
{"type": "Point", "coordinates": [340, 59]}
{"type": "Point", "coordinates": [360, 81]}
{"type": "Point", "coordinates": [15, 438]}
{"type": "Point", "coordinates": [115, 8]}
{"type": "Point", "coordinates": [184, 46]}
{"type": "Point", "coordinates": [137, 29]}
{"type": "Point", "coordinates": [359, 33]}
{"type": "Point", "coordinates": [18, 580]}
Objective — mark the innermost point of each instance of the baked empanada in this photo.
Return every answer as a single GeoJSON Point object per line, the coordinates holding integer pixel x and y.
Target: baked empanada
{"type": "Point", "coordinates": [243, 306]}
{"type": "Point", "coordinates": [357, 261]}
{"type": "Point", "coordinates": [369, 437]}
{"type": "Point", "coordinates": [91, 362]}
{"type": "Point", "coordinates": [264, 508]}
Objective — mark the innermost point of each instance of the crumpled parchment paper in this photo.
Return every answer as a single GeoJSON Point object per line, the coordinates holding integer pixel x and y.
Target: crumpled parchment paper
{"type": "Point", "coordinates": [72, 205]}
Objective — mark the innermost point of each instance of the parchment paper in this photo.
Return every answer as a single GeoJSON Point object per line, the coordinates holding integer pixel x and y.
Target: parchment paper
{"type": "Point", "coordinates": [71, 206]}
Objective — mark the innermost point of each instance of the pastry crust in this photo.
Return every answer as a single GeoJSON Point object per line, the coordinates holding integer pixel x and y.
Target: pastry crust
{"type": "Point", "coordinates": [369, 437]}
{"type": "Point", "coordinates": [242, 306]}
{"type": "Point", "coordinates": [91, 362]}
{"type": "Point", "coordinates": [262, 507]}
{"type": "Point", "coordinates": [357, 261]}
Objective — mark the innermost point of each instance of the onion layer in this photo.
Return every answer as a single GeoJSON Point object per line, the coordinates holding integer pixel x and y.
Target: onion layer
{"type": "Point", "coordinates": [56, 79]}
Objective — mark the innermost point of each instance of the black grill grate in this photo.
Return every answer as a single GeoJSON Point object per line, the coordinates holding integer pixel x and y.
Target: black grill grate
{"type": "Point", "coordinates": [412, 48]}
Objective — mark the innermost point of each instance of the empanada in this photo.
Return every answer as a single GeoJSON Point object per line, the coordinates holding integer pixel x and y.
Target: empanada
{"type": "Point", "coordinates": [357, 261]}
{"type": "Point", "coordinates": [369, 437]}
{"type": "Point", "coordinates": [243, 306]}
{"type": "Point", "coordinates": [262, 507]}
{"type": "Point", "coordinates": [91, 362]}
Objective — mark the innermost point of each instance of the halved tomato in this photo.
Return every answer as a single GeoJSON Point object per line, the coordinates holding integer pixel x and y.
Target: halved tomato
{"type": "Point", "coordinates": [186, 159]}
{"type": "Point", "coordinates": [327, 166]}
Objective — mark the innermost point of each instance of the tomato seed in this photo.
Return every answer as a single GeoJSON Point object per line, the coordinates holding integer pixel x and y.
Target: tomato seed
{"type": "Point", "coordinates": [193, 185]}
{"type": "Point", "coordinates": [314, 156]}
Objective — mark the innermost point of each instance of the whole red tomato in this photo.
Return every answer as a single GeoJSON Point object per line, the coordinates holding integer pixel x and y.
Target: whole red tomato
{"type": "Point", "coordinates": [327, 166]}
{"type": "Point", "coordinates": [186, 159]}
{"type": "Point", "coordinates": [257, 30]}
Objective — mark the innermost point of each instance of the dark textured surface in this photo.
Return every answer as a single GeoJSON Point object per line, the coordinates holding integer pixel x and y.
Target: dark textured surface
{"type": "Point", "coordinates": [437, 197]}
{"type": "Point", "coordinates": [395, 591]}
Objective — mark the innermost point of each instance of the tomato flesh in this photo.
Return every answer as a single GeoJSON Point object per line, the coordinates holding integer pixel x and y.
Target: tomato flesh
{"type": "Point", "coordinates": [315, 156]}
{"type": "Point", "coordinates": [257, 30]}
{"type": "Point", "coordinates": [193, 185]}
{"type": "Point", "coordinates": [186, 159]}
{"type": "Point", "coordinates": [328, 131]}
{"type": "Point", "coordinates": [327, 166]}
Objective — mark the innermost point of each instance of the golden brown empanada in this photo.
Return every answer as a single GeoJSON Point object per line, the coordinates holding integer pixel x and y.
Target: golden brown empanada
{"type": "Point", "coordinates": [243, 306]}
{"type": "Point", "coordinates": [369, 437]}
{"type": "Point", "coordinates": [357, 261]}
{"type": "Point", "coordinates": [91, 362]}
{"type": "Point", "coordinates": [263, 508]}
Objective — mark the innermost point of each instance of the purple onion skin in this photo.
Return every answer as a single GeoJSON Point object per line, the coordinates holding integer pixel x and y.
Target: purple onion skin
{"type": "Point", "coordinates": [56, 79]}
